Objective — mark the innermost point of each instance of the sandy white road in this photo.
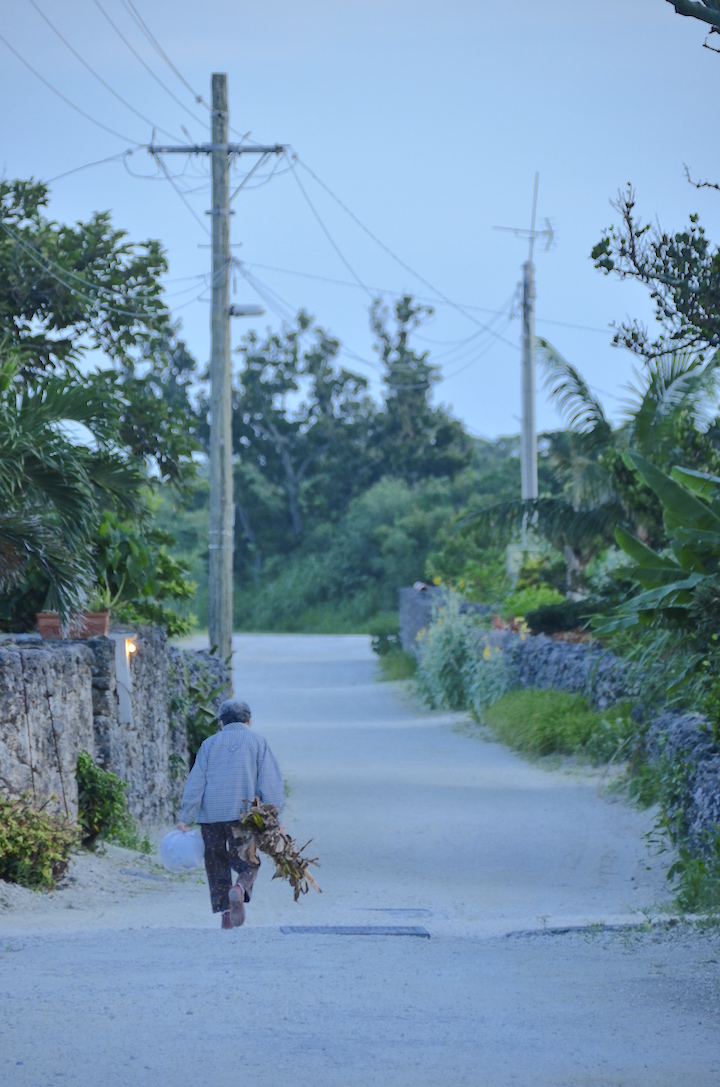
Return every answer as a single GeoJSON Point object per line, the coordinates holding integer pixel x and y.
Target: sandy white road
{"type": "Point", "coordinates": [126, 979]}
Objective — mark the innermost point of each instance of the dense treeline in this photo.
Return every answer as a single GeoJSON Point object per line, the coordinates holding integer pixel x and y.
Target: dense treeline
{"type": "Point", "coordinates": [341, 499]}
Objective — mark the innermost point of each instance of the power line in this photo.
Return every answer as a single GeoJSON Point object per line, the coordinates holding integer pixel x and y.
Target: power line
{"type": "Point", "coordinates": [97, 75]}
{"type": "Point", "coordinates": [135, 14]}
{"type": "Point", "coordinates": [567, 324]}
{"type": "Point", "coordinates": [329, 237]}
{"type": "Point", "coordinates": [275, 301]}
{"type": "Point", "coordinates": [87, 116]}
{"type": "Point", "coordinates": [192, 211]}
{"type": "Point", "coordinates": [88, 165]}
{"type": "Point", "coordinates": [392, 293]}
{"type": "Point", "coordinates": [140, 22]}
{"type": "Point", "coordinates": [389, 251]}
{"type": "Point", "coordinates": [420, 297]}
{"type": "Point", "coordinates": [146, 66]}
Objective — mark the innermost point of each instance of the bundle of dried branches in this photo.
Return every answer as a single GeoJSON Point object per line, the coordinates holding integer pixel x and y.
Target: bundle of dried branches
{"type": "Point", "coordinates": [259, 827]}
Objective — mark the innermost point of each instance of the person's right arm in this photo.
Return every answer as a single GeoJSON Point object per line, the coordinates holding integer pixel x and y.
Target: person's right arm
{"type": "Point", "coordinates": [270, 787]}
{"type": "Point", "coordinates": [194, 789]}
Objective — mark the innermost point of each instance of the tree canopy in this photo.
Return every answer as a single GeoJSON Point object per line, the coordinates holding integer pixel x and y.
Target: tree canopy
{"type": "Point", "coordinates": [94, 405]}
{"type": "Point", "coordinates": [73, 294]}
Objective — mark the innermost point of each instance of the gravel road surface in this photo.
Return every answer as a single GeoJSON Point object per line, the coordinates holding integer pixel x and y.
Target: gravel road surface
{"type": "Point", "coordinates": [524, 879]}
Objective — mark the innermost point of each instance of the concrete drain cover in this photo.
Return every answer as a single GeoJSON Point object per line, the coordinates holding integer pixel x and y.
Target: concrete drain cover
{"type": "Point", "coordinates": [355, 930]}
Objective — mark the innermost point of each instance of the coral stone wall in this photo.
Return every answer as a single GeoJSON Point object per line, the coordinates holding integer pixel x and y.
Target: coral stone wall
{"type": "Point", "coordinates": [45, 718]}
{"type": "Point", "coordinates": [58, 698]}
{"type": "Point", "coordinates": [686, 740]}
{"type": "Point", "coordinates": [538, 661]}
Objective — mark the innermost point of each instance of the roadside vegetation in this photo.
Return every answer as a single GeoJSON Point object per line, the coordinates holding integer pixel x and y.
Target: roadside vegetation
{"type": "Point", "coordinates": [623, 550]}
{"type": "Point", "coordinates": [544, 722]}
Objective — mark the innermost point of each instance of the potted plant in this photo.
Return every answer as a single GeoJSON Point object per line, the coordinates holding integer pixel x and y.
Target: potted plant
{"type": "Point", "coordinates": [93, 622]}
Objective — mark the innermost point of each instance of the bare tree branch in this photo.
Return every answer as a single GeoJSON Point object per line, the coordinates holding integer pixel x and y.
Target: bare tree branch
{"type": "Point", "coordinates": [702, 184]}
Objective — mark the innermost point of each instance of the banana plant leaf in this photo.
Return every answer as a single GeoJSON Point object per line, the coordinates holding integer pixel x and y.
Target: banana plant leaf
{"type": "Point", "coordinates": [700, 483]}
{"type": "Point", "coordinates": [681, 508]}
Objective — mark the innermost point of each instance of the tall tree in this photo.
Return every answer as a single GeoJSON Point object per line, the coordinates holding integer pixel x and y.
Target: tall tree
{"type": "Point", "coordinates": [300, 421]}
{"type": "Point", "coordinates": [682, 272]}
{"type": "Point", "coordinates": [72, 292]}
{"type": "Point", "coordinates": [413, 440]}
{"type": "Point", "coordinates": [53, 489]}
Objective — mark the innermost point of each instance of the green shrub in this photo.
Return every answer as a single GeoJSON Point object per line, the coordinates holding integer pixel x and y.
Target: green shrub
{"type": "Point", "coordinates": [546, 722]}
{"type": "Point", "coordinates": [194, 704]}
{"type": "Point", "coordinates": [696, 871]}
{"type": "Point", "coordinates": [448, 649]}
{"type": "Point", "coordinates": [530, 599]}
{"type": "Point", "coordinates": [614, 733]}
{"type": "Point", "coordinates": [103, 812]}
{"type": "Point", "coordinates": [454, 672]}
{"type": "Point", "coordinates": [35, 844]}
{"type": "Point", "coordinates": [698, 877]}
{"type": "Point", "coordinates": [397, 664]}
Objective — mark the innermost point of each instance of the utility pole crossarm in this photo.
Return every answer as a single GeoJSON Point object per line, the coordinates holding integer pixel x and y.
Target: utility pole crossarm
{"type": "Point", "coordinates": [208, 148]}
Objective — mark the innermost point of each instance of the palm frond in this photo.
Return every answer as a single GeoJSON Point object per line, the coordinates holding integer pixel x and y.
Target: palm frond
{"type": "Point", "coordinates": [26, 538]}
{"type": "Point", "coordinates": [669, 386]}
{"type": "Point", "coordinates": [570, 392]}
{"type": "Point", "coordinates": [561, 523]}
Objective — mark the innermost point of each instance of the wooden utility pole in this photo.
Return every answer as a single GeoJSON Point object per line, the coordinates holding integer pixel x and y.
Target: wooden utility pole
{"type": "Point", "coordinates": [222, 509]}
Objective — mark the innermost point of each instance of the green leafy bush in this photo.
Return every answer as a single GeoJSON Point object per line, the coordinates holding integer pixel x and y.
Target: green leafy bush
{"type": "Point", "coordinates": [397, 664]}
{"type": "Point", "coordinates": [698, 877]}
{"type": "Point", "coordinates": [138, 577]}
{"type": "Point", "coordinates": [530, 599]}
{"type": "Point", "coordinates": [35, 844]}
{"type": "Point", "coordinates": [454, 671]}
{"type": "Point", "coordinates": [666, 782]}
{"type": "Point", "coordinates": [194, 704]}
{"type": "Point", "coordinates": [546, 722]}
{"type": "Point", "coordinates": [103, 811]}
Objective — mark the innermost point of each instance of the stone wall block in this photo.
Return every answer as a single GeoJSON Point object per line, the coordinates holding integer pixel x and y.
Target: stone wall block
{"type": "Point", "coordinates": [45, 719]}
{"type": "Point", "coordinates": [58, 698]}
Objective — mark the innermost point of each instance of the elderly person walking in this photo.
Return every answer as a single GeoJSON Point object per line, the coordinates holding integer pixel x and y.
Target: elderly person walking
{"type": "Point", "coordinates": [232, 768]}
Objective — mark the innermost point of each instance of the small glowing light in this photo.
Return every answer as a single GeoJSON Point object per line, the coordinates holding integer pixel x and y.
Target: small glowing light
{"type": "Point", "coordinates": [131, 646]}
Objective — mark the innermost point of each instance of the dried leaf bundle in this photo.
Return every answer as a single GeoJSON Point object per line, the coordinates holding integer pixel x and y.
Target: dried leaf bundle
{"type": "Point", "coordinates": [259, 827]}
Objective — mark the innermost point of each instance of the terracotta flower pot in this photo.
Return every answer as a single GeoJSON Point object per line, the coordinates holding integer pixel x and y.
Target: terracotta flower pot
{"type": "Point", "coordinates": [48, 624]}
{"type": "Point", "coordinates": [89, 624]}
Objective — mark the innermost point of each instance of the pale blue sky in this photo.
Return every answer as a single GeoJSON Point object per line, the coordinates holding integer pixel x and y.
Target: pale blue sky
{"type": "Point", "coordinates": [427, 119]}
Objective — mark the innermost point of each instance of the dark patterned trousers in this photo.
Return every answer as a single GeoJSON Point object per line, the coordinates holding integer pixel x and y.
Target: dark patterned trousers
{"type": "Point", "coordinates": [224, 852]}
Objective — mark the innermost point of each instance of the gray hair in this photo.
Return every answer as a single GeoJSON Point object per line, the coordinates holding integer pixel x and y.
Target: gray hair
{"type": "Point", "coordinates": [232, 710]}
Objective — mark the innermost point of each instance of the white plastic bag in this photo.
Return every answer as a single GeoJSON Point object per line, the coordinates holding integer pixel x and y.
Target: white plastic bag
{"type": "Point", "coordinates": [182, 851]}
